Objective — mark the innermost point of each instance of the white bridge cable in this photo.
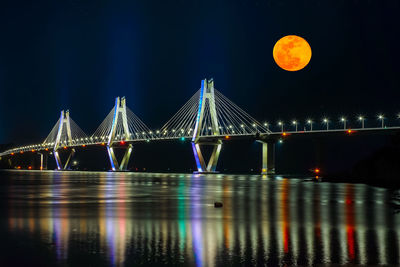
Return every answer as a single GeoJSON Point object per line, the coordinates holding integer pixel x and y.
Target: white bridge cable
{"type": "Point", "coordinates": [186, 126]}
{"type": "Point", "coordinates": [77, 134]}
{"type": "Point", "coordinates": [77, 137]}
{"type": "Point", "coordinates": [241, 111]}
{"type": "Point", "coordinates": [231, 119]}
{"type": "Point", "coordinates": [102, 132]}
{"type": "Point", "coordinates": [234, 119]}
{"type": "Point", "coordinates": [137, 130]}
{"type": "Point", "coordinates": [181, 120]}
{"type": "Point", "coordinates": [182, 123]}
{"type": "Point", "coordinates": [137, 127]}
{"type": "Point", "coordinates": [233, 122]}
{"type": "Point", "coordinates": [51, 138]}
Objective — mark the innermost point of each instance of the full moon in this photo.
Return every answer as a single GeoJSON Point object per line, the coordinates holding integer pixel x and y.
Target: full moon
{"type": "Point", "coordinates": [292, 53]}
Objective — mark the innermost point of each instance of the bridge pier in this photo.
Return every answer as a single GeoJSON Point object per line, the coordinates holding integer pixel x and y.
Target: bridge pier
{"type": "Point", "coordinates": [70, 156]}
{"type": "Point", "coordinates": [268, 157]}
{"type": "Point", "coordinates": [212, 162]}
{"type": "Point", "coordinates": [43, 161]}
{"type": "Point", "coordinates": [125, 160]}
{"type": "Point", "coordinates": [65, 166]}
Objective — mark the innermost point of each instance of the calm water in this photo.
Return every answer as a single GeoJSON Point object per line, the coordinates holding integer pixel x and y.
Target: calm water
{"type": "Point", "coordinates": [113, 219]}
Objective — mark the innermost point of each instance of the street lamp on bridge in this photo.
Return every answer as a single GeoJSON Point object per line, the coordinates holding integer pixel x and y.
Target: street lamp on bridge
{"type": "Point", "coordinates": [280, 123]}
{"type": "Point", "coordinates": [326, 121]}
{"type": "Point", "coordinates": [343, 119]}
{"type": "Point", "coordinates": [295, 124]}
{"type": "Point", "coordinates": [382, 118]}
{"type": "Point", "coordinates": [362, 119]}
{"type": "Point", "coordinates": [309, 121]}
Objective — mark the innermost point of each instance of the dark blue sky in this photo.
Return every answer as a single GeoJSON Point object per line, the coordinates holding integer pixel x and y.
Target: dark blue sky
{"type": "Point", "coordinates": [81, 54]}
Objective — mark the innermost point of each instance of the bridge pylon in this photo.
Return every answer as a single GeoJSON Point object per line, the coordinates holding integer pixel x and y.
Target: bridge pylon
{"type": "Point", "coordinates": [119, 117]}
{"type": "Point", "coordinates": [63, 132]}
{"type": "Point", "coordinates": [207, 97]}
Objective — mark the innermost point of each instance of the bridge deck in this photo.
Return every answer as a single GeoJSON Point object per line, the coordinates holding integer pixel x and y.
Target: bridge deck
{"type": "Point", "coordinates": [211, 138]}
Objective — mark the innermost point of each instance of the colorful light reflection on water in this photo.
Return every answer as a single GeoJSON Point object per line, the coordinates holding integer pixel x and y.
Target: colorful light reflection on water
{"type": "Point", "coordinates": [119, 219]}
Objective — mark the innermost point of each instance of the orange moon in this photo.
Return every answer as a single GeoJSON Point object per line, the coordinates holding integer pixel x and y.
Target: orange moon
{"type": "Point", "coordinates": [292, 53]}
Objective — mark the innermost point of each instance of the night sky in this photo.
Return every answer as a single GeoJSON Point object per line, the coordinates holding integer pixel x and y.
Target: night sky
{"type": "Point", "coordinates": [79, 55]}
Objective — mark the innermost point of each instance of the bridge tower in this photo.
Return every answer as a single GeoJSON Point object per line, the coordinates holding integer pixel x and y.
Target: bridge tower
{"type": "Point", "coordinates": [119, 116]}
{"type": "Point", "coordinates": [207, 97]}
{"type": "Point", "coordinates": [64, 130]}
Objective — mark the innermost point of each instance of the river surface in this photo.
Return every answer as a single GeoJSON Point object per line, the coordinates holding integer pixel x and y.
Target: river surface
{"type": "Point", "coordinates": [116, 219]}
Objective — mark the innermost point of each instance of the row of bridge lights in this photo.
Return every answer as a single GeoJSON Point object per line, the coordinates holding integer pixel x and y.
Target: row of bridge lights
{"type": "Point", "coordinates": [310, 122]}
{"type": "Point", "coordinates": [326, 121]}
{"type": "Point", "coordinates": [76, 141]}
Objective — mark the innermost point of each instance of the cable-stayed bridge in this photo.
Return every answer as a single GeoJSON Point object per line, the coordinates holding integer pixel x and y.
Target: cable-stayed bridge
{"type": "Point", "coordinates": [207, 119]}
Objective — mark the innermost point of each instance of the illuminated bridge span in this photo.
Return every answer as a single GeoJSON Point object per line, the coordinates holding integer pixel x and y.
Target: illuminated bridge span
{"type": "Point", "coordinates": [206, 119]}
